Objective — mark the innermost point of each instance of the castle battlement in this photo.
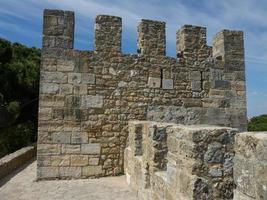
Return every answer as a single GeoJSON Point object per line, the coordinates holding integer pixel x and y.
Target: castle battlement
{"type": "Point", "coordinates": [88, 97]}
{"type": "Point", "coordinates": [190, 40]}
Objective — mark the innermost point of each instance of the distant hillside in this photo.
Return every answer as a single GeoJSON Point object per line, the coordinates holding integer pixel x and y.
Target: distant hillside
{"type": "Point", "coordinates": [19, 84]}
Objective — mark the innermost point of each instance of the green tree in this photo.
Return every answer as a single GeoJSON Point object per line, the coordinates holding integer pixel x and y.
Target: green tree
{"type": "Point", "coordinates": [19, 84]}
{"type": "Point", "coordinates": [258, 123]}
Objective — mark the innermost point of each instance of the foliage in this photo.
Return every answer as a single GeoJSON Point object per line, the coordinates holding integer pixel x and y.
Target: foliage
{"type": "Point", "coordinates": [258, 123]}
{"type": "Point", "coordinates": [17, 136]}
{"type": "Point", "coordinates": [19, 80]}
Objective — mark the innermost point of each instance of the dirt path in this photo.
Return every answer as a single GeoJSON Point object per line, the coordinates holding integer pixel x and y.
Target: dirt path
{"type": "Point", "coordinates": [22, 186]}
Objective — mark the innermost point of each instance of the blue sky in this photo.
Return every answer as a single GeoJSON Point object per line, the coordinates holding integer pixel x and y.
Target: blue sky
{"type": "Point", "coordinates": [21, 21]}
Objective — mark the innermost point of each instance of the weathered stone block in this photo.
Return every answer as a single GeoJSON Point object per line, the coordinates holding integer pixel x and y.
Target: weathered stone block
{"type": "Point", "coordinates": [214, 153]}
{"type": "Point", "coordinates": [167, 84]}
{"type": "Point", "coordinates": [93, 161]}
{"type": "Point", "coordinates": [80, 89]}
{"type": "Point", "coordinates": [222, 85]}
{"type": "Point", "coordinates": [62, 160]}
{"type": "Point", "coordinates": [48, 149]}
{"type": "Point", "coordinates": [45, 113]}
{"type": "Point", "coordinates": [71, 148]}
{"type": "Point", "coordinates": [53, 77]}
{"type": "Point", "coordinates": [65, 65]}
{"type": "Point", "coordinates": [154, 82]}
{"type": "Point", "coordinates": [43, 161]}
{"type": "Point", "coordinates": [196, 86]}
{"type": "Point", "coordinates": [61, 137]}
{"type": "Point", "coordinates": [79, 160]}
{"type": "Point", "coordinates": [79, 137]}
{"type": "Point", "coordinates": [250, 165]}
{"type": "Point", "coordinates": [88, 78]}
{"type": "Point", "coordinates": [70, 172]}
{"type": "Point", "coordinates": [90, 101]}
{"type": "Point", "coordinates": [49, 88]}
{"type": "Point", "coordinates": [93, 148]}
{"type": "Point", "coordinates": [73, 101]}
{"type": "Point", "coordinates": [122, 84]}
{"type": "Point", "coordinates": [66, 89]}
{"type": "Point", "coordinates": [49, 64]}
{"type": "Point", "coordinates": [74, 78]}
{"type": "Point", "coordinates": [47, 172]}
{"type": "Point", "coordinates": [195, 75]}
{"type": "Point", "coordinates": [91, 170]}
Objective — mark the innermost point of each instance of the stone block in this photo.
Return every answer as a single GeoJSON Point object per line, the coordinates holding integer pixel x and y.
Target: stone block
{"type": "Point", "coordinates": [79, 138]}
{"type": "Point", "coordinates": [195, 76]}
{"type": "Point", "coordinates": [91, 171]}
{"type": "Point", "coordinates": [47, 172]}
{"type": "Point", "coordinates": [74, 78]}
{"type": "Point", "coordinates": [80, 89]}
{"type": "Point", "coordinates": [93, 161]}
{"type": "Point", "coordinates": [90, 101]}
{"type": "Point", "coordinates": [70, 172]}
{"type": "Point", "coordinates": [154, 82]}
{"type": "Point", "coordinates": [53, 77]}
{"type": "Point", "coordinates": [238, 85]}
{"type": "Point", "coordinates": [93, 148]}
{"type": "Point", "coordinates": [122, 84]}
{"type": "Point", "coordinates": [79, 160]}
{"type": "Point", "coordinates": [49, 64]}
{"type": "Point", "coordinates": [222, 85]}
{"type": "Point", "coordinates": [61, 137]}
{"type": "Point", "coordinates": [88, 78]}
{"type": "Point", "coordinates": [45, 113]}
{"type": "Point", "coordinates": [65, 89]}
{"type": "Point", "coordinates": [71, 148]}
{"type": "Point", "coordinates": [49, 88]}
{"type": "Point", "coordinates": [73, 101]}
{"type": "Point", "coordinates": [43, 161]}
{"type": "Point", "coordinates": [48, 149]}
{"type": "Point", "coordinates": [196, 86]}
{"type": "Point", "coordinates": [167, 84]}
{"type": "Point", "coordinates": [65, 65]}
{"type": "Point", "coordinates": [214, 154]}
{"type": "Point", "coordinates": [244, 176]}
{"type": "Point", "coordinates": [58, 114]}
{"type": "Point", "coordinates": [61, 160]}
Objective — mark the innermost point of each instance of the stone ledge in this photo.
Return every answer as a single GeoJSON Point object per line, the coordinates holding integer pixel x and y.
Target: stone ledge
{"type": "Point", "coordinates": [12, 161]}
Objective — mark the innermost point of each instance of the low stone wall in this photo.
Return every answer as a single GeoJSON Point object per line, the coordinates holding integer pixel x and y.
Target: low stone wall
{"type": "Point", "coordinates": [12, 161]}
{"type": "Point", "coordinates": [250, 168]}
{"type": "Point", "coordinates": [166, 161]}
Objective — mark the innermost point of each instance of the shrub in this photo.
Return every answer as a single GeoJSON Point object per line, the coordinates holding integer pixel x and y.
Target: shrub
{"type": "Point", "coordinates": [258, 123]}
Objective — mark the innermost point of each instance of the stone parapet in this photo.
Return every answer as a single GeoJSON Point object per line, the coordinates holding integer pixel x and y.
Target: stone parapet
{"type": "Point", "coordinates": [13, 161]}
{"type": "Point", "coordinates": [180, 162]}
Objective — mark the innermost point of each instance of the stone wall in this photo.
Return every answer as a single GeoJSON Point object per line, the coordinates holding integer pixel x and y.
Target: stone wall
{"type": "Point", "coordinates": [13, 161]}
{"type": "Point", "coordinates": [88, 97]}
{"type": "Point", "coordinates": [250, 168]}
{"type": "Point", "coordinates": [176, 162]}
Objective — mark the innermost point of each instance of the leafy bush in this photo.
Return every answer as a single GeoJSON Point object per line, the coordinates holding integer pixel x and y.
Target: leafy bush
{"type": "Point", "coordinates": [19, 80]}
{"type": "Point", "coordinates": [258, 123]}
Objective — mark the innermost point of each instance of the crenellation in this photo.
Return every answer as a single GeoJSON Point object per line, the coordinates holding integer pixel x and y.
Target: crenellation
{"type": "Point", "coordinates": [88, 97]}
{"type": "Point", "coordinates": [151, 38]}
{"type": "Point", "coordinates": [108, 31]}
{"type": "Point", "coordinates": [228, 46]}
{"type": "Point", "coordinates": [58, 29]}
{"type": "Point", "coordinates": [191, 43]}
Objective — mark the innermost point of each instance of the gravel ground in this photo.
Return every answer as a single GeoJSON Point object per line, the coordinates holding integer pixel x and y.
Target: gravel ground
{"type": "Point", "coordinates": [22, 185]}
